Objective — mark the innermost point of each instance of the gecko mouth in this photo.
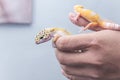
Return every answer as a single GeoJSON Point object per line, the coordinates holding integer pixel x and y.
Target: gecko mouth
{"type": "Point", "coordinates": [42, 40]}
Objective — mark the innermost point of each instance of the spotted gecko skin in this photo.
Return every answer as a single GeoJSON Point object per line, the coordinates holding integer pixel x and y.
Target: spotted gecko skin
{"type": "Point", "coordinates": [50, 33]}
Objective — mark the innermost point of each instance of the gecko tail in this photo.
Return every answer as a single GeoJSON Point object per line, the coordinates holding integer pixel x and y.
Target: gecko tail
{"type": "Point", "coordinates": [111, 26]}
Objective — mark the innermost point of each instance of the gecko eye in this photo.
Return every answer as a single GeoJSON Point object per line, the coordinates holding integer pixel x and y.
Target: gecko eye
{"type": "Point", "coordinates": [41, 37]}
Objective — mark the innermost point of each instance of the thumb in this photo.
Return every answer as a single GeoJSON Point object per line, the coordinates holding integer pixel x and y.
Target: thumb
{"type": "Point", "coordinates": [75, 42]}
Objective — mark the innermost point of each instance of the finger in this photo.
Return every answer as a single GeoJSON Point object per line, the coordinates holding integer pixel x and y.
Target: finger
{"type": "Point", "coordinates": [77, 59]}
{"type": "Point", "coordinates": [87, 71]}
{"type": "Point", "coordinates": [76, 77]}
{"type": "Point", "coordinates": [75, 42]}
{"type": "Point", "coordinates": [66, 75]}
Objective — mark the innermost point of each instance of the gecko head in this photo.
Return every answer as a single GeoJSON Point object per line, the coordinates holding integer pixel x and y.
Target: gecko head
{"type": "Point", "coordinates": [78, 7]}
{"type": "Point", "coordinates": [43, 36]}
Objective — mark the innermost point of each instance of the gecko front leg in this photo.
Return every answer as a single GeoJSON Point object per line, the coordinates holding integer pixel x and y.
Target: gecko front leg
{"type": "Point", "coordinates": [91, 24]}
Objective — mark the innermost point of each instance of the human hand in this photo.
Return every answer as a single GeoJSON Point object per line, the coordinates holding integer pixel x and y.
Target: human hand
{"type": "Point", "coordinates": [99, 59]}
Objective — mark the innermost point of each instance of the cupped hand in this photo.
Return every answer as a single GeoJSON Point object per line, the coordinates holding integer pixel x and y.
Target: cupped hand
{"type": "Point", "coordinates": [93, 56]}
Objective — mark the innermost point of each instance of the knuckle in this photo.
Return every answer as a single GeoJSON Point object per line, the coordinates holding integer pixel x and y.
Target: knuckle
{"type": "Point", "coordinates": [98, 61]}
{"type": "Point", "coordinates": [61, 58]}
{"type": "Point", "coordinates": [61, 43]}
{"type": "Point", "coordinates": [66, 75]}
{"type": "Point", "coordinates": [66, 70]}
{"type": "Point", "coordinates": [95, 41]}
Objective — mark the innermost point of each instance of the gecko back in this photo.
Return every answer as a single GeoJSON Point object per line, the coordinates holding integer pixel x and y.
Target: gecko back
{"type": "Point", "coordinates": [87, 14]}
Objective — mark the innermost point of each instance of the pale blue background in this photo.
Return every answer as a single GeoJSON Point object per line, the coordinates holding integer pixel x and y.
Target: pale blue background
{"type": "Point", "coordinates": [22, 59]}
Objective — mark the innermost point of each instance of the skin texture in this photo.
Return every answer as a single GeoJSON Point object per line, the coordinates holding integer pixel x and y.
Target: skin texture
{"type": "Point", "coordinates": [100, 56]}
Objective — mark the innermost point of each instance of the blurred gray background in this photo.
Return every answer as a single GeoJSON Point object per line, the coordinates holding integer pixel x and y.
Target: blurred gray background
{"type": "Point", "coordinates": [22, 59]}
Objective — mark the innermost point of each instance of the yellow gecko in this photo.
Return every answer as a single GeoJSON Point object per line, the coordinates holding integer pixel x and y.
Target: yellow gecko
{"type": "Point", "coordinates": [94, 19]}
{"type": "Point", "coordinates": [50, 33]}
